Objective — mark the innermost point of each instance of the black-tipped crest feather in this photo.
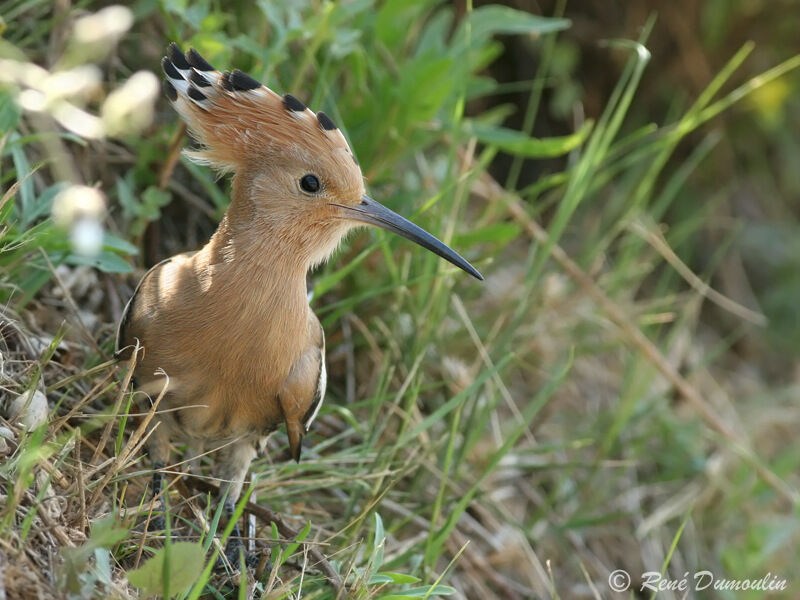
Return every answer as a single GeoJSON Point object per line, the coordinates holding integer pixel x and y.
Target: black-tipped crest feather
{"type": "Point", "coordinates": [169, 90]}
{"type": "Point", "coordinates": [169, 69]}
{"type": "Point", "coordinates": [195, 94]}
{"type": "Point", "coordinates": [198, 62]}
{"type": "Point", "coordinates": [242, 82]}
{"type": "Point", "coordinates": [211, 101]}
{"type": "Point", "coordinates": [293, 104]}
{"type": "Point", "coordinates": [177, 57]}
{"type": "Point", "coordinates": [199, 80]}
{"type": "Point", "coordinates": [225, 80]}
{"type": "Point", "coordinates": [325, 121]}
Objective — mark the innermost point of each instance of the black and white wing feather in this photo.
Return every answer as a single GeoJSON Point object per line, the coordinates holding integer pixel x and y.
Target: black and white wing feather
{"type": "Point", "coordinates": [319, 394]}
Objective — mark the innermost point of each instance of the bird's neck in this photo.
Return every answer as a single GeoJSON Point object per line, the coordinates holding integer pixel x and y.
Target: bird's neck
{"type": "Point", "coordinates": [250, 260]}
{"type": "Point", "coordinates": [251, 292]}
{"type": "Point", "coordinates": [246, 240]}
{"type": "Point", "coordinates": [256, 256]}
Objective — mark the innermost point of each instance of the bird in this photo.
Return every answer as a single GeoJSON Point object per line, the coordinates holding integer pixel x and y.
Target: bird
{"type": "Point", "coordinates": [230, 324]}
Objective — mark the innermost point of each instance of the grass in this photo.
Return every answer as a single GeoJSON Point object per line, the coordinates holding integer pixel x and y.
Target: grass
{"type": "Point", "coordinates": [584, 410]}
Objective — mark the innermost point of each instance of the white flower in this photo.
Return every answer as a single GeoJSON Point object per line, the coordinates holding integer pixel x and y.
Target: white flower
{"type": "Point", "coordinates": [80, 209]}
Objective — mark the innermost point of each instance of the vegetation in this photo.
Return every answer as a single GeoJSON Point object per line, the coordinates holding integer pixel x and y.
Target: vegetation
{"type": "Point", "coordinates": [599, 403]}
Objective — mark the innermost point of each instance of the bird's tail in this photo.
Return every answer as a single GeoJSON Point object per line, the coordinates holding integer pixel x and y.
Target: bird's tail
{"type": "Point", "coordinates": [294, 431]}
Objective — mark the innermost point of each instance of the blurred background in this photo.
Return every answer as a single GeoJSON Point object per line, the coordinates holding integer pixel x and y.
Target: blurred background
{"type": "Point", "coordinates": [748, 177]}
{"type": "Point", "coordinates": [620, 393]}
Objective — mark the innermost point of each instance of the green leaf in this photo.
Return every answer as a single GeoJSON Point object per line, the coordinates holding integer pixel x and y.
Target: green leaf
{"type": "Point", "coordinates": [126, 198]}
{"type": "Point", "coordinates": [490, 20]}
{"type": "Point", "coordinates": [379, 542]}
{"type": "Point", "coordinates": [108, 262]}
{"type": "Point", "coordinates": [388, 577]}
{"type": "Point", "coordinates": [154, 198]}
{"type": "Point", "coordinates": [435, 31]}
{"type": "Point", "coordinates": [421, 592]}
{"type": "Point", "coordinates": [292, 547]}
{"type": "Point", "coordinates": [26, 192]}
{"type": "Point", "coordinates": [424, 87]}
{"type": "Point", "coordinates": [105, 534]}
{"type": "Point", "coordinates": [9, 113]}
{"type": "Point", "coordinates": [185, 566]}
{"type": "Point", "coordinates": [480, 86]}
{"type": "Point", "coordinates": [516, 142]}
{"type": "Point", "coordinates": [496, 233]}
{"type": "Point", "coordinates": [393, 12]}
{"type": "Point", "coordinates": [116, 243]}
{"type": "Point", "coordinates": [102, 565]}
{"type": "Point", "coordinates": [43, 203]}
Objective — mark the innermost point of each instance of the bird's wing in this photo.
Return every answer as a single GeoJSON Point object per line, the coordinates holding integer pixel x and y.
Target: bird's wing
{"type": "Point", "coordinates": [128, 311]}
{"type": "Point", "coordinates": [304, 390]}
{"type": "Point", "coordinates": [322, 382]}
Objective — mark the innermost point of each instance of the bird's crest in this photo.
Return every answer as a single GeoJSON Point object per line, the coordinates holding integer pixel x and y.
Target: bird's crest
{"type": "Point", "coordinates": [236, 119]}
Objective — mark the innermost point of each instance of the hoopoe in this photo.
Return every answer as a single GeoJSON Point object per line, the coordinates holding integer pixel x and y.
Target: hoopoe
{"type": "Point", "coordinates": [231, 324]}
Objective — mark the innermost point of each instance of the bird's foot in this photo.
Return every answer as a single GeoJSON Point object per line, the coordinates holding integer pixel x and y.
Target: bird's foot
{"type": "Point", "coordinates": [156, 523]}
{"type": "Point", "coordinates": [234, 550]}
{"type": "Point", "coordinates": [155, 520]}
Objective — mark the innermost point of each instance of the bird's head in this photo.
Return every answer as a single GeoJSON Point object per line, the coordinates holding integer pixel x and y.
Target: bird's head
{"type": "Point", "coordinates": [295, 171]}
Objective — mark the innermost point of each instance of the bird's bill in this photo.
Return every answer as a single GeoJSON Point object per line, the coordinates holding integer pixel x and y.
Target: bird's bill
{"type": "Point", "coordinates": [374, 213]}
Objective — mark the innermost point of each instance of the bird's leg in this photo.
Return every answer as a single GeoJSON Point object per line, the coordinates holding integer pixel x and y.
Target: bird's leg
{"type": "Point", "coordinates": [157, 521]}
{"type": "Point", "coordinates": [233, 463]}
{"type": "Point", "coordinates": [158, 449]}
{"type": "Point", "coordinates": [192, 457]}
{"type": "Point", "coordinates": [235, 543]}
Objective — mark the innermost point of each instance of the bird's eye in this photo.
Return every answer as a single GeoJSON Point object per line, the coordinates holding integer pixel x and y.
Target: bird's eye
{"type": "Point", "coordinates": [309, 183]}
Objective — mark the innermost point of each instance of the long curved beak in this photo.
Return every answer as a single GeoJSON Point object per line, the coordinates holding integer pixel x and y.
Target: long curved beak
{"type": "Point", "coordinates": [374, 213]}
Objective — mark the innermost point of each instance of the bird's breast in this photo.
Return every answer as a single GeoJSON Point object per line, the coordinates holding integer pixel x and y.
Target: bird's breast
{"type": "Point", "coordinates": [227, 345]}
